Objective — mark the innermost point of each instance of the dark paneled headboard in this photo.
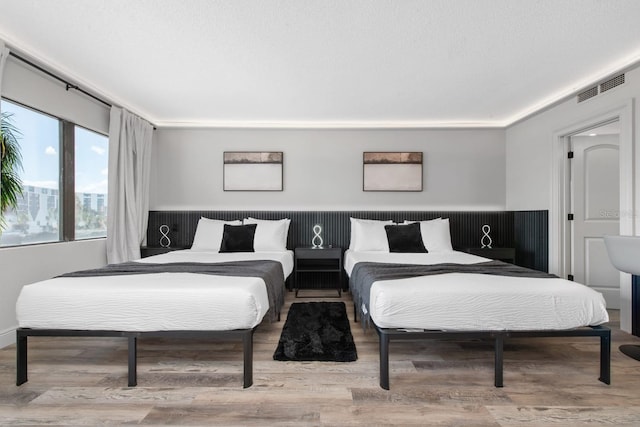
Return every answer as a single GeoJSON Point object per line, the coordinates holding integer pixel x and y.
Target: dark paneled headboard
{"type": "Point", "coordinates": [527, 232]}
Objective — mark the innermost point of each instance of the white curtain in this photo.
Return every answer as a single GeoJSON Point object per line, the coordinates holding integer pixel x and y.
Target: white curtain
{"type": "Point", "coordinates": [129, 176]}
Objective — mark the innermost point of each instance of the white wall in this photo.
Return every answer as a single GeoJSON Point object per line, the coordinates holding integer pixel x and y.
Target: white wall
{"type": "Point", "coordinates": [27, 264]}
{"type": "Point", "coordinates": [531, 157]}
{"type": "Point", "coordinates": [462, 170]}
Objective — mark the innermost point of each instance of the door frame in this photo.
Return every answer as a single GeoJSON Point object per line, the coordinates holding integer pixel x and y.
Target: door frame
{"type": "Point", "coordinates": [558, 229]}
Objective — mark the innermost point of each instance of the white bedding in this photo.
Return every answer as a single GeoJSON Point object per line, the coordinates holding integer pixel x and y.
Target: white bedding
{"type": "Point", "coordinates": [474, 302]}
{"type": "Point", "coordinates": [152, 302]}
{"type": "Point", "coordinates": [285, 258]}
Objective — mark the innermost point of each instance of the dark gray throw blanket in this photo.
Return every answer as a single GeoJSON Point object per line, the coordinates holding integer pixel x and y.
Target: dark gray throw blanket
{"type": "Point", "coordinates": [267, 270]}
{"type": "Point", "coordinates": [364, 274]}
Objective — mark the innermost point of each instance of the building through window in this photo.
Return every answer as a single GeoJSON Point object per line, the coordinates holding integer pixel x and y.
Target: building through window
{"type": "Point", "coordinates": [39, 215]}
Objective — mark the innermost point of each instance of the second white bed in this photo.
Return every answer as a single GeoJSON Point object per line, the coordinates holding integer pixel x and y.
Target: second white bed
{"type": "Point", "coordinates": [476, 302]}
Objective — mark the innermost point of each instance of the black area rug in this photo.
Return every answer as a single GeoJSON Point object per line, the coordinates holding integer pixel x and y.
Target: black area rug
{"type": "Point", "coordinates": [317, 331]}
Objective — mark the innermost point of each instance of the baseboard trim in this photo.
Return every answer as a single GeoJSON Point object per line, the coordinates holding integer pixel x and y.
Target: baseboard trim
{"type": "Point", "coordinates": [8, 337]}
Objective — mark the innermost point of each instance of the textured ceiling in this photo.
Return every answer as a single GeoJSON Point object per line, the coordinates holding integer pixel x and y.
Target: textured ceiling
{"type": "Point", "coordinates": [328, 63]}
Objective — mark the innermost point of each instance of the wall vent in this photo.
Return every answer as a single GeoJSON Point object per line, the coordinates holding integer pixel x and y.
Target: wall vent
{"type": "Point", "coordinates": [589, 93]}
{"type": "Point", "coordinates": [611, 83]}
{"type": "Point", "coordinates": [602, 87]}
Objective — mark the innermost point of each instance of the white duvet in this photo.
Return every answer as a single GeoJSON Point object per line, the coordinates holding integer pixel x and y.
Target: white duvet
{"type": "Point", "coordinates": [474, 302]}
{"type": "Point", "coordinates": [152, 302]}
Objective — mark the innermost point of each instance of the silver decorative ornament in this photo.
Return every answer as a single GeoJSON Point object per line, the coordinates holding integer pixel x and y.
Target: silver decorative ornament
{"type": "Point", "coordinates": [165, 241]}
{"type": "Point", "coordinates": [486, 239]}
{"type": "Point", "coordinates": [317, 241]}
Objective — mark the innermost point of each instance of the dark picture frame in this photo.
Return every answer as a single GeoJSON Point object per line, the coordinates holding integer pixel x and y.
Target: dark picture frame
{"type": "Point", "coordinates": [253, 171]}
{"type": "Point", "coordinates": [392, 171]}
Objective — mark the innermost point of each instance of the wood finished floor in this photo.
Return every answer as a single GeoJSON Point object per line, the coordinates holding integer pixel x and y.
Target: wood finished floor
{"type": "Point", "coordinates": [82, 381]}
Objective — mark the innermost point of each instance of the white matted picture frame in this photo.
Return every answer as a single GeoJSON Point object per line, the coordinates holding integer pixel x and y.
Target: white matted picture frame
{"type": "Point", "coordinates": [252, 171]}
{"type": "Point", "coordinates": [392, 171]}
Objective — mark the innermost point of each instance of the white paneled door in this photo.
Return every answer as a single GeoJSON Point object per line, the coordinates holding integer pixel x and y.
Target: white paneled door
{"type": "Point", "coordinates": [595, 204]}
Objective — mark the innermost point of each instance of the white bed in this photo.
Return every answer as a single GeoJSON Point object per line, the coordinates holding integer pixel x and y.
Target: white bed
{"type": "Point", "coordinates": [173, 304]}
{"type": "Point", "coordinates": [153, 302]}
{"type": "Point", "coordinates": [477, 306]}
{"type": "Point", "coordinates": [476, 302]}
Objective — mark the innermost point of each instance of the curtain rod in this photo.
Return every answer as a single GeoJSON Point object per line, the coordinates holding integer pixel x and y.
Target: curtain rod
{"type": "Point", "coordinates": [60, 79]}
{"type": "Point", "coordinates": [50, 74]}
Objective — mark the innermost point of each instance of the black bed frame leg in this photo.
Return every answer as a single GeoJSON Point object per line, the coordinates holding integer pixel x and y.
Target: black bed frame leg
{"type": "Point", "coordinates": [21, 358]}
{"type": "Point", "coordinates": [247, 349]}
{"type": "Point", "coordinates": [133, 353]}
{"type": "Point", "coordinates": [499, 360]}
{"type": "Point", "coordinates": [605, 357]}
{"type": "Point", "coordinates": [384, 360]}
{"type": "Point", "coordinates": [355, 313]}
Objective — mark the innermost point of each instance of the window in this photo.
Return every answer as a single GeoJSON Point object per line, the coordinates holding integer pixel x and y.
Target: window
{"type": "Point", "coordinates": [40, 217]}
{"type": "Point", "coordinates": [37, 218]}
{"type": "Point", "coordinates": [91, 164]}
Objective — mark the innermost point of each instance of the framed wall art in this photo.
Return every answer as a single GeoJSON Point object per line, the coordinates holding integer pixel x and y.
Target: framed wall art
{"type": "Point", "coordinates": [253, 171]}
{"type": "Point", "coordinates": [392, 171]}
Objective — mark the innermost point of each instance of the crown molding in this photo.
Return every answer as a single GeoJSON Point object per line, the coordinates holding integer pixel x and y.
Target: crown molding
{"type": "Point", "coordinates": [284, 124]}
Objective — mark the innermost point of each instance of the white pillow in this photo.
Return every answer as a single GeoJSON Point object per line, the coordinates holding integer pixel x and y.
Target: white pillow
{"type": "Point", "coordinates": [369, 235]}
{"type": "Point", "coordinates": [271, 235]}
{"type": "Point", "coordinates": [208, 235]}
{"type": "Point", "coordinates": [436, 235]}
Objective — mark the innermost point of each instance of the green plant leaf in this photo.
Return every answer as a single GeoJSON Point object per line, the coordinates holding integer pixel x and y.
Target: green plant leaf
{"type": "Point", "coordinates": [10, 166]}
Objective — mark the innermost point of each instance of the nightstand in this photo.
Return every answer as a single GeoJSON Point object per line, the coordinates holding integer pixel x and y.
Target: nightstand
{"type": "Point", "coordinates": [146, 251]}
{"type": "Point", "coordinates": [501, 254]}
{"type": "Point", "coordinates": [320, 260]}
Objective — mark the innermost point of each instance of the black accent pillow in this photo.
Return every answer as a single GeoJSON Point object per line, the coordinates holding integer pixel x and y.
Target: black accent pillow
{"type": "Point", "coordinates": [238, 238]}
{"type": "Point", "coordinates": [405, 238]}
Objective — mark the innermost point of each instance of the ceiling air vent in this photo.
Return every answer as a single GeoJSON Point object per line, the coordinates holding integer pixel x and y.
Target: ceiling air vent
{"type": "Point", "coordinates": [589, 93]}
{"type": "Point", "coordinates": [611, 83]}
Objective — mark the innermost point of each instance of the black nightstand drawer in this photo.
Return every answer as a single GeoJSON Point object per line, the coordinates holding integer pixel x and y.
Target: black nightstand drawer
{"type": "Point", "coordinates": [320, 264]}
{"type": "Point", "coordinates": [319, 253]}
